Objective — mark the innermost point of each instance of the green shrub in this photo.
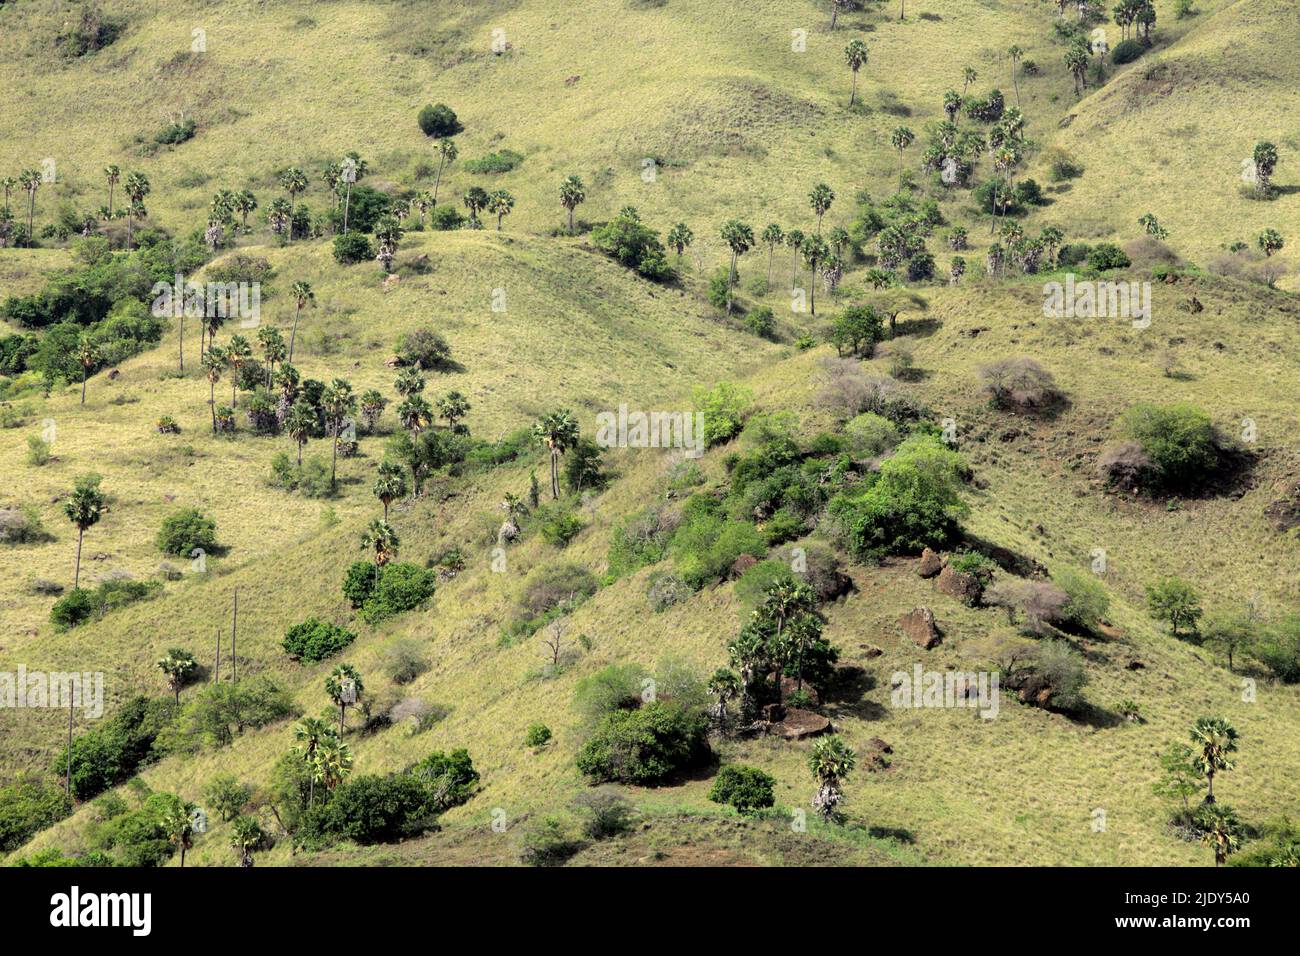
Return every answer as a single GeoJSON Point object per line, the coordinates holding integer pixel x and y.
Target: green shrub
{"type": "Point", "coordinates": [638, 539]}
{"type": "Point", "coordinates": [975, 564]}
{"type": "Point", "coordinates": [707, 544]}
{"type": "Point", "coordinates": [1107, 255]}
{"type": "Point", "coordinates": [1126, 51]}
{"type": "Point", "coordinates": [216, 713]}
{"type": "Point", "coordinates": [445, 218]}
{"type": "Point", "coordinates": [38, 451]}
{"type": "Point", "coordinates": [558, 524]}
{"type": "Point", "coordinates": [1180, 441]}
{"type": "Point", "coordinates": [81, 604]}
{"type": "Point", "coordinates": [371, 809]}
{"type": "Point", "coordinates": [537, 735]}
{"type": "Point", "coordinates": [227, 796]}
{"type": "Point", "coordinates": [645, 746]}
{"type": "Point", "coordinates": [1279, 649]}
{"type": "Point", "coordinates": [665, 590]}
{"type": "Point", "coordinates": [450, 777]}
{"type": "Point", "coordinates": [633, 245]}
{"type": "Point", "coordinates": [751, 587]}
{"type": "Point", "coordinates": [314, 640]}
{"type": "Point", "coordinates": [550, 842]}
{"type": "Point", "coordinates": [359, 582]}
{"type": "Point", "coordinates": [1088, 601]}
{"type": "Point", "coordinates": [552, 585]}
{"type": "Point", "coordinates": [610, 689]}
{"type": "Point", "coordinates": [501, 161]}
{"type": "Point", "coordinates": [139, 837]}
{"type": "Point", "coordinates": [425, 349]}
{"type": "Point", "coordinates": [725, 407]}
{"type": "Point", "coordinates": [871, 435]}
{"type": "Point", "coordinates": [27, 806]}
{"type": "Point", "coordinates": [351, 247]}
{"type": "Point", "coordinates": [401, 587]}
{"type": "Point", "coordinates": [911, 505]}
{"type": "Point", "coordinates": [116, 748]}
{"type": "Point", "coordinates": [745, 788]}
{"type": "Point", "coordinates": [185, 532]}
{"type": "Point", "coordinates": [761, 322]}
{"type": "Point", "coordinates": [438, 120]}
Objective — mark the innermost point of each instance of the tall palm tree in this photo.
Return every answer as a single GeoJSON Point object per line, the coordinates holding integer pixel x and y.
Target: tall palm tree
{"type": "Point", "coordinates": [30, 180]}
{"type": "Point", "coordinates": [310, 732]}
{"type": "Point", "coordinates": [239, 352]}
{"type": "Point", "coordinates": [273, 349]}
{"type": "Point", "coordinates": [409, 382]}
{"type": "Point", "coordinates": [84, 507]}
{"type": "Point", "coordinates": [381, 540]}
{"type": "Point", "coordinates": [332, 762]}
{"type": "Point", "coordinates": [739, 238]}
{"type": "Point", "coordinates": [8, 184]}
{"type": "Point", "coordinates": [783, 600]}
{"type": "Point", "coordinates": [388, 233]}
{"type": "Point", "coordinates": [302, 295]}
{"type": "Point", "coordinates": [900, 139]}
{"type": "Point", "coordinates": [558, 431]}
{"type": "Point", "coordinates": [475, 199]}
{"type": "Point", "coordinates": [414, 414]}
{"type": "Point", "coordinates": [112, 173]}
{"type": "Point", "coordinates": [820, 199]}
{"type": "Point", "coordinates": [339, 404]}
{"type": "Point", "coordinates": [136, 187]}
{"type": "Point", "coordinates": [794, 239]}
{"type": "Point", "coordinates": [213, 363]}
{"type": "Point", "coordinates": [293, 181]}
{"type": "Point", "coordinates": [178, 824]}
{"type": "Point", "coordinates": [1214, 739]}
{"type": "Point", "coordinates": [280, 215]}
{"type": "Point", "coordinates": [814, 252]}
{"type": "Point", "coordinates": [1015, 52]}
{"type": "Point", "coordinates": [968, 76]}
{"type": "Point", "coordinates": [344, 687]}
{"type": "Point", "coordinates": [447, 153]}
{"type": "Point", "coordinates": [772, 235]}
{"type": "Point", "coordinates": [299, 424]}
{"type": "Point", "coordinates": [831, 761]}
{"type": "Point", "coordinates": [572, 194]}
{"type": "Point", "coordinates": [855, 55]}
{"type": "Point", "coordinates": [87, 357]}
{"type": "Point", "coordinates": [372, 404]}
{"type": "Point", "coordinates": [423, 201]}
{"type": "Point", "coordinates": [390, 484]}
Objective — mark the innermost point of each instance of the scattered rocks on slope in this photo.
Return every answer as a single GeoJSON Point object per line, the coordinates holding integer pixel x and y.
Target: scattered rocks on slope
{"type": "Point", "coordinates": [930, 564]}
{"type": "Point", "coordinates": [964, 587]}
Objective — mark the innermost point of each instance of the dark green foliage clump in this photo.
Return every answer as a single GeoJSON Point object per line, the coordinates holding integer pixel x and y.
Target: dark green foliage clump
{"type": "Point", "coordinates": [745, 788]}
{"type": "Point", "coordinates": [382, 591]}
{"type": "Point", "coordinates": [314, 640]}
{"type": "Point", "coordinates": [645, 746]}
{"type": "Point", "coordinates": [86, 604]}
{"type": "Point", "coordinates": [1180, 442]}
{"type": "Point", "coordinates": [634, 245]}
{"type": "Point", "coordinates": [1126, 51]}
{"type": "Point", "coordinates": [114, 750]}
{"type": "Point", "coordinates": [501, 161]}
{"type": "Point", "coordinates": [187, 531]}
{"type": "Point", "coordinates": [438, 120]}
{"type": "Point", "coordinates": [352, 247]}
{"type": "Point", "coordinates": [27, 806]}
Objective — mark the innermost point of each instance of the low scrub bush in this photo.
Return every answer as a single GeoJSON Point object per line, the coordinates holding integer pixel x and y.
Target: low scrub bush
{"type": "Point", "coordinates": [314, 640]}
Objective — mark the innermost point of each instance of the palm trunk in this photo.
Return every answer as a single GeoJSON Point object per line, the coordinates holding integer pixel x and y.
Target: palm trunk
{"type": "Point", "coordinates": [212, 403]}
{"type": "Point", "coordinates": [555, 475]}
{"type": "Point", "coordinates": [343, 709]}
{"type": "Point", "coordinates": [85, 373]}
{"type": "Point", "coordinates": [854, 95]}
{"type": "Point", "coordinates": [76, 578]}
{"type": "Point", "coordinates": [130, 229]}
{"type": "Point", "coordinates": [182, 856]}
{"type": "Point", "coordinates": [182, 340]}
{"type": "Point", "coordinates": [293, 334]}
{"type": "Point", "coordinates": [771, 254]}
{"type": "Point", "coordinates": [110, 200]}
{"type": "Point", "coordinates": [334, 466]}
{"type": "Point", "coordinates": [347, 203]}
{"type": "Point", "coordinates": [437, 179]}
{"type": "Point", "coordinates": [299, 454]}
{"type": "Point", "coordinates": [571, 208]}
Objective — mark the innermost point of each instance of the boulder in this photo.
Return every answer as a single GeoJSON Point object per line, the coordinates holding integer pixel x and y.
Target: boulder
{"type": "Point", "coordinates": [930, 564]}
{"type": "Point", "coordinates": [964, 587]}
{"type": "Point", "coordinates": [919, 625]}
{"type": "Point", "coordinates": [1284, 513]}
{"type": "Point", "coordinates": [798, 724]}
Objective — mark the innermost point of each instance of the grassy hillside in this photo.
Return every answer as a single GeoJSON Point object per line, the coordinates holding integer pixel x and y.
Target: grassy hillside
{"type": "Point", "coordinates": [741, 127]}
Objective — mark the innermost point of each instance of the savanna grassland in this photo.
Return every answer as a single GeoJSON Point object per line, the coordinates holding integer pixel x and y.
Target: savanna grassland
{"type": "Point", "coordinates": [738, 125]}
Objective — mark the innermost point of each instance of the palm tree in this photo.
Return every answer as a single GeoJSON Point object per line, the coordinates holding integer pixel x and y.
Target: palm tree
{"type": "Point", "coordinates": [794, 239]}
{"type": "Point", "coordinates": [273, 348]}
{"type": "Point", "coordinates": [558, 431]}
{"type": "Point", "coordinates": [30, 180]}
{"type": "Point", "coordinates": [724, 685]}
{"type": "Point", "coordinates": [245, 203]}
{"type": "Point", "coordinates": [87, 357]}
{"type": "Point", "coordinates": [311, 732]}
{"type": "Point", "coordinates": [373, 404]}
{"type": "Point", "coordinates": [388, 233]}
{"type": "Point", "coordinates": [968, 76]}
{"type": "Point", "coordinates": [280, 215]}
{"type": "Point", "coordinates": [783, 600]}
{"type": "Point", "coordinates": [739, 238]}
{"type": "Point", "coordinates": [573, 194]}
{"type": "Point", "coordinates": [1015, 52]}
{"type": "Point", "coordinates": [475, 199]}
{"type": "Point", "coordinates": [339, 404]}
{"type": "Point", "coordinates": [299, 424]}
{"type": "Point", "coordinates": [331, 176]}
{"type": "Point", "coordinates": [112, 173]}
{"type": "Point", "coordinates": [773, 236]}
{"type": "Point", "coordinates": [820, 199]}
{"type": "Point", "coordinates": [246, 835]}
{"type": "Point", "coordinates": [390, 484]}
{"type": "Point", "coordinates": [344, 688]}
{"type": "Point", "coordinates": [136, 187]}
{"type": "Point", "coordinates": [500, 202]}
{"type": "Point", "coordinates": [178, 666]}
{"type": "Point", "coordinates": [1220, 829]}
{"type": "Point", "coordinates": [1076, 61]}
{"type": "Point", "coordinates": [814, 251]}
{"type": "Point", "coordinates": [680, 237]}
{"type": "Point", "coordinates": [332, 762]}
{"type": "Point", "coordinates": [1214, 739]}
{"type": "Point", "coordinates": [447, 153]}
{"type": "Point", "coordinates": [1270, 241]}
{"type": "Point", "coordinates": [178, 824]}
{"type": "Point", "coordinates": [409, 382]}
{"type": "Point", "coordinates": [351, 172]}
{"type": "Point", "coordinates": [414, 414]}
{"type": "Point", "coordinates": [453, 407]}
{"type": "Point", "coordinates": [901, 138]}
{"type": "Point", "coordinates": [855, 55]}
{"type": "Point", "coordinates": [212, 363]}
{"type": "Point", "coordinates": [239, 352]}
{"type": "Point", "coordinates": [84, 507]}
{"type": "Point", "coordinates": [302, 295]}
{"type": "Point", "coordinates": [381, 541]}
{"type": "Point", "coordinates": [9, 184]}
{"type": "Point", "coordinates": [951, 104]}
{"type": "Point", "coordinates": [831, 761]}
{"type": "Point", "coordinates": [293, 181]}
